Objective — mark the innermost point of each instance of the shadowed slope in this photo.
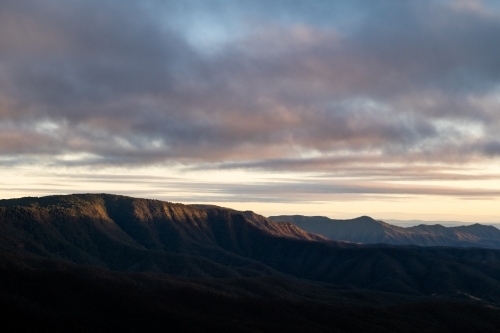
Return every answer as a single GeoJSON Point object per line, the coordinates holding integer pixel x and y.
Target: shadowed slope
{"type": "Point", "coordinates": [40, 295]}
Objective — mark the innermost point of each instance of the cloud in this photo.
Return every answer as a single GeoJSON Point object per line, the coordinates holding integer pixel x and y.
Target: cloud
{"type": "Point", "coordinates": [127, 83]}
{"type": "Point", "coordinates": [302, 190]}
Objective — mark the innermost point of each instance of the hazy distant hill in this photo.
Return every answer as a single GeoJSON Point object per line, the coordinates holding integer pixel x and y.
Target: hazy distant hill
{"type": "Point", "coordinates": [366, 230]}
{"type": "Point", "coordinates": [445, 223]}
{"type": "Point", "coordinates": [95, 262]}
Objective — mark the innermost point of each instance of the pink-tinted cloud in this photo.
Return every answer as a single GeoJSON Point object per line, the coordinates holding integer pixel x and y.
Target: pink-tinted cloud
{"type": "Point", "coordinates": [125, 84]}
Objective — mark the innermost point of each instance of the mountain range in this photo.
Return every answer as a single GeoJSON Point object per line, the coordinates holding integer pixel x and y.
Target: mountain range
{"type": "Point", "coordinates": [101, 262]}
{"type": "Point", "coordinates": [445, 223]}
{"type": "Point", "coordinates": [366, 230]}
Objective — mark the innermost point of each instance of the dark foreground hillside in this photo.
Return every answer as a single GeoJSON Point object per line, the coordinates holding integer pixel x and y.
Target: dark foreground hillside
{"type": "Point", "coordinates": [105, 263]}
{"type": "Point", "coordinates": [50, 296]}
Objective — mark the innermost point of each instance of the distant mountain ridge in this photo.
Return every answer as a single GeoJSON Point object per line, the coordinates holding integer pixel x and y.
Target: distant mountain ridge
{"type": "Point", "coordinates": [366, 230]}
{"type": "Point", "coordinates": [445, 223]}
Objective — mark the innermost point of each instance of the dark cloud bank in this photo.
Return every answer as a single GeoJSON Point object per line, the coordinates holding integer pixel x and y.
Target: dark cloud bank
{"type": "Point", "coordinates": [248, 84]}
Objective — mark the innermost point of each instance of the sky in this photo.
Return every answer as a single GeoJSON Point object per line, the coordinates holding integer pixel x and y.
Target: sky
{"type": "Point", "coordinates": [386, 108]}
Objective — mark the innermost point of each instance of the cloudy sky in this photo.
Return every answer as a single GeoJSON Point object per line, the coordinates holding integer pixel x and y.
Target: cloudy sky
{"type": "Point", "coordinates": [389, 108]}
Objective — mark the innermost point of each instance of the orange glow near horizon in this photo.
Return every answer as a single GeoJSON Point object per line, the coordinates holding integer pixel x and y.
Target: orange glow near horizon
{"type": "Point", "coordinates": [291, 193]}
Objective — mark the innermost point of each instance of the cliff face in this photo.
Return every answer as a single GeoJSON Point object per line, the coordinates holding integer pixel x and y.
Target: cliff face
{"type": "Point", "coordinates": [366, 230]}
{"type": "Point", "coordinates": [138, 234]}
